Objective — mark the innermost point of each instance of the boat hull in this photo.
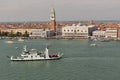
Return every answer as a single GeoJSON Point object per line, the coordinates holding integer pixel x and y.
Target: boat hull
{"type": "Point", "coordinates": [34, 59]}
{"type": "Point", "coordinates": [57, 58]}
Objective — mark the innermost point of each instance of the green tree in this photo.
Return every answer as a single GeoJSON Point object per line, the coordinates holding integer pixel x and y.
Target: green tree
{"type": "Point", "coordinates": [26, 34]}
{"type": "Point", "coordinates": [11, 34]}
{"type": "Point", "coordinates": [4, 33]}
{"type": "Point", "coordinates": [18, 34]}
{"type": "Point", "coordinates": [0, 33]}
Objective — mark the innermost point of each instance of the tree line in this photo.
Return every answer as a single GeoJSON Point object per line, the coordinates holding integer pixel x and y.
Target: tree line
{"type": "Point", "coordinates": [12, 34]}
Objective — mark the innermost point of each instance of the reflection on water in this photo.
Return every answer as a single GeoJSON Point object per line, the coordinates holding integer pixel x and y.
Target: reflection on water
{"type": "Point", "coordinates": [31, 63]}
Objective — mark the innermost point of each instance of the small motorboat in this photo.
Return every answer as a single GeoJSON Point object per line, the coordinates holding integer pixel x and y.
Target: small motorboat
{"type": "Point", "coordinates": [93, 44]}
{"type": "Point", "coordinates": [9, 42]}
{"type": "Point", "coordinates": [21, 40]}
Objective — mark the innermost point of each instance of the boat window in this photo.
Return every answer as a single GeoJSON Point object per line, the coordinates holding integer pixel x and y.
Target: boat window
{"type": "Point", "coordinates": [25, 56]}
{"type": "Point", "coordinates": [74, 30]}
{"type": "Point", "coordinates": [31, 56]}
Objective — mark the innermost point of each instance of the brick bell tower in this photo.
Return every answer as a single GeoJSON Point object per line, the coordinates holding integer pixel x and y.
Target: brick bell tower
{"type": "Point", "coordinates": [52, 20]}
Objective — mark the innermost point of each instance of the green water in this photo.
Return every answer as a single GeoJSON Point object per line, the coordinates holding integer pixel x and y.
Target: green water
{"type": "Point", "coordinates": [80, 61]}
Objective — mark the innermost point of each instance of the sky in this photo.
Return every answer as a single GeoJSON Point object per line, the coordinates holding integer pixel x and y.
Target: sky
{"type": "Point", "coordinates": [66, 10]}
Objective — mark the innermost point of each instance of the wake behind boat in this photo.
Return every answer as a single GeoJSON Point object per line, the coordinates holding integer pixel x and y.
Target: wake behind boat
{"type": "Point", "coordinates": [34, 55]}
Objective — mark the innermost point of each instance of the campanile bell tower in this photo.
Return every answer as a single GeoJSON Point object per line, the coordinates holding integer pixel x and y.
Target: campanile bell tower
{"type": "Point", "coordinates": [52, 20]}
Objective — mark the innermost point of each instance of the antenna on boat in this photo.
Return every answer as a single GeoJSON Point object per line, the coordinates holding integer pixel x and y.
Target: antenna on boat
{"type": "Point", "coordinates": [47, 52]}
{"type": "Point", "coordinates": [25, 48]}
{"type": "Point", "coordinates": [47, 46]}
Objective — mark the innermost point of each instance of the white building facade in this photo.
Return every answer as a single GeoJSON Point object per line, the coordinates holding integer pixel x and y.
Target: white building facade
{"type": "Point", "coordinates": [42, 33]}
{"type": "Point", "coordinates": [98, 33]}
{"type": "Point", "coordinates": [111, 33]}
{"type": "Point", "coordinates": [77, 31]}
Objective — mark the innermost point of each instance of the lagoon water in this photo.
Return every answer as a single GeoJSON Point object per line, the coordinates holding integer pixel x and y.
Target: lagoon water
{"type": "Point", "coordinates": [80, 61]}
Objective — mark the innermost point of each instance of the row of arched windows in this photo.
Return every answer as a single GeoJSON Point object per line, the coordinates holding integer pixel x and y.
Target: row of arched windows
{"type": "Point", "coordinates": [75, 31]}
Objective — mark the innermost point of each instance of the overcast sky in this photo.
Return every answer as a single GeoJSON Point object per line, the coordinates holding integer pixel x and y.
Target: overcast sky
{"type": "Point", "coordinates": [66, 10]}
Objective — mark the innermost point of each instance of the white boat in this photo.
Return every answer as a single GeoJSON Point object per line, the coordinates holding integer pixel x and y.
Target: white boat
{"type": "Point", "coordinates": [21, 40]}
{"type": "Point", "coordinates": [34, 55]}
{"type": "Point", "coordinates": [9, 42]}
{"type": "Point", "coordinates": [93, 44]}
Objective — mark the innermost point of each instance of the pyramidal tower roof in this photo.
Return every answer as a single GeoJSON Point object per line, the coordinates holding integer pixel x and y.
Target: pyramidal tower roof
{"type": "Point", "coordinates": [52, 10]}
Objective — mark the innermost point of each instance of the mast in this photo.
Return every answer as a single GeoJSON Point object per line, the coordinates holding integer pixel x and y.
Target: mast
{"type": "Point", "coordinates": [46, 53]}
{"type": "Point", "coordinates": [25, 48]}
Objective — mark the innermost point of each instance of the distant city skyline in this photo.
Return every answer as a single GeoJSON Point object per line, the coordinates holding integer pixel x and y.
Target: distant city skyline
{"type": "Point", "coordinates": [66, 10]}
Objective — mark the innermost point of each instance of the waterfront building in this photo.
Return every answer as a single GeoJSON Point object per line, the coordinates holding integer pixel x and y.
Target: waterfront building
{"type": "Point", "coordinates": [53, 20]}
{"type": "Point", "coordinates": [111, 33]}
{"type": "Point", "coordinates": [78, 31]}
{"type": "Point", "coordinates": [42, 33]}
{"type": "Point", "coordinates": [118, 33]}
{"type": "Point", "coordinates": [98, 33]}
